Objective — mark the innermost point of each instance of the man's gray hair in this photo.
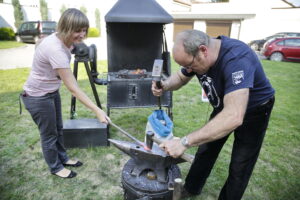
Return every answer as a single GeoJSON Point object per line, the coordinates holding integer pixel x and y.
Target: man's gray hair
{"type": "Point", "coordinates": [191, 40]}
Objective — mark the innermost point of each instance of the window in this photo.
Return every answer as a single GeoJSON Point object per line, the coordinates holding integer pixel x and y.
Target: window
{"type": "Point", "coordinates": [181, 26]}
{"type": "Point", "coordinates": [24, 27]}
{"type": "Point", "coordinates": [216, 28]}
{"type": "Point", "coordinates": [32, 26]}
{"type": "Point", "coordinates": [281, 43]}
{"type": "Point", "coordinates": [292, 42]}
{"type": "Point", "coordinates": [49, 25]}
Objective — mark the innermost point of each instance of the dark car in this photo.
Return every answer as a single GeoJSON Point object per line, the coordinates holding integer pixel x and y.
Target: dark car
{"type": "Point", "coordinates": [282, 49]}
{"type": "Point", "coordinates": [258, 44]}
{"type": "Point", "coordinates": [32, 31]}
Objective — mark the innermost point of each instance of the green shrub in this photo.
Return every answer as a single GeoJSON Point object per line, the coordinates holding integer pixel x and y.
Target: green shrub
{"type": "Point", "coordinates": [7, 34]}
{"type": "Point", "coordinates": [93, 32]}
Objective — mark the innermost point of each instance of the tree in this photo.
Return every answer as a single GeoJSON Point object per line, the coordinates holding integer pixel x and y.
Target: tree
{"type": "Point", "coordinates": [44, 9]}
{"type": "Point", "coordinates": [97, 18]}
{"type": "Point", "coordinates": [63, 9]}
{"type": "Point", "coordinates": [83, 9]}
{"type": "Point", "coordinates": [19, 17]}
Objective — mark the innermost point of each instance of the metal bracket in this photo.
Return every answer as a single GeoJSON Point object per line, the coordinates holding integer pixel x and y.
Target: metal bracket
{"type": "Point", "coordinates": [133, 91]}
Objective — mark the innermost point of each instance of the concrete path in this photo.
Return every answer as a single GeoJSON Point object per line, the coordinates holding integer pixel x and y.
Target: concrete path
{"type": "Point", "coordinates": [22, 56]}
{"type": "Point", "coordinates": [16, 57]}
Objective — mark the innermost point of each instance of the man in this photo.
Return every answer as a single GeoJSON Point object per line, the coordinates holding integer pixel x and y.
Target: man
{"type": "Point", "coordinates": [242, 98]}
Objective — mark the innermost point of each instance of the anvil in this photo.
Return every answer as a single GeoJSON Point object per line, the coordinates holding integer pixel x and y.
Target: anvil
{"type": "Point", "coordinates": [155, 159]}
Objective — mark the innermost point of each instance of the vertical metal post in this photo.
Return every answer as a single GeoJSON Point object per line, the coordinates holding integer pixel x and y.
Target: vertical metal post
{"type": "Point", "coordinates": [73, 99]}
{"type": "Point", "coordinates": [177, 189]}
{"type": "Point", "coordinates": [88, 71]}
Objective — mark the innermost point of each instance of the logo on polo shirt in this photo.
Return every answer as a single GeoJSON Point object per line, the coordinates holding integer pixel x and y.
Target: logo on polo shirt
{"type": "Point", "coordinates": [210, 90]}
{"type": "Point", "coordinates": [237, 77]}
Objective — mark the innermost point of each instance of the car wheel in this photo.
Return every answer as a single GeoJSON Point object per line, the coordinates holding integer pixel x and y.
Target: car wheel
{"type": "Point", "coordinates": [35, 39]}
{"type": "Point", "coordinates": [254, 46]}
{"type": "Point", "coordinates": [277, 56]}
{"type": "Point", "coordinates": [18, 39]}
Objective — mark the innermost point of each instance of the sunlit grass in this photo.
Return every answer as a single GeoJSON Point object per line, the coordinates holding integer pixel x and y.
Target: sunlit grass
{"type": "Point", "coordinates": [10, 44]}
{"type": "Point", "coordinates": [24, 174]}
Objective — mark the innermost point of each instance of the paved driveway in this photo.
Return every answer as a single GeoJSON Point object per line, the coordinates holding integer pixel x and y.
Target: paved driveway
{"type": "Point", "coordinates": [16, 57]}
{"type": "Point", "coordinates": [22, 56]}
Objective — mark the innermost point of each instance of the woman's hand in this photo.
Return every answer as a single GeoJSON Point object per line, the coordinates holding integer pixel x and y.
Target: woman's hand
{"type": "Point", "coordinates": [70, 82]}
{"type": "Point", "coordinates": [102, 117]}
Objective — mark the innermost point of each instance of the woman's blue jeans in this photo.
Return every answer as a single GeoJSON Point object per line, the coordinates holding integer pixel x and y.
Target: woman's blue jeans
{"type": "Point", "coordinates": [46, 113]}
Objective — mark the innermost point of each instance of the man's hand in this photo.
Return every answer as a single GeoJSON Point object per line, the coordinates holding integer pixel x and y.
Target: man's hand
{"type": "Point", "coordinates": [173, 147]}
{"type": "Point", "coordinates": [155, 90]}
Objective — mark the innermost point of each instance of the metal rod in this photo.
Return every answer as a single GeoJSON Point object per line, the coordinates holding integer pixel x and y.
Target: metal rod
{"type": "Point", "coordinates": [129, 135]}
{"type": "Point", "coordinates": [159, 103]}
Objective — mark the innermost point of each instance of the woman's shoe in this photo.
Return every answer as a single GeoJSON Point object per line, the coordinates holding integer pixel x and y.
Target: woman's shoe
{"type": "Point", "coordinates": [71, 175]}
{"type": "Point", "coordinates": [77, 164]}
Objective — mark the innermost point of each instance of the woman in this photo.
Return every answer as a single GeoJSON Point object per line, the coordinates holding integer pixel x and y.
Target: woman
{"type": "Point", "coordinates": [41, 97]}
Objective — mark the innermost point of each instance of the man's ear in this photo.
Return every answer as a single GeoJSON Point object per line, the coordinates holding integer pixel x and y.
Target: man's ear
{"type": "Point", "coordinates": [203, 49]}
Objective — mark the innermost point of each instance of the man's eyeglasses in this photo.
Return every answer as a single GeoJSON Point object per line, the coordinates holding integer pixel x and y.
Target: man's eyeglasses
{"type": "Point", "coordinates": [189, 66]}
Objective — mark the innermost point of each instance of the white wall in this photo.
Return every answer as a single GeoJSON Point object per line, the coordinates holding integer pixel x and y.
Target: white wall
{"type": "Point", "coordinates": [7, 18]}
{"type": "Point", "coordinates": [235, 29]}
{"type": "Point", "coordinates": [200, 25]}
{"type": "Point", "coordinates": [271, 22]}
{"type": "Point", "coordinates": [267, 20]}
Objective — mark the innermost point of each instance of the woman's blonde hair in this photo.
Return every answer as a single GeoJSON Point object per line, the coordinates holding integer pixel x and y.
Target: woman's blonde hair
{"type": "Point", "coordinates": [71, 21]}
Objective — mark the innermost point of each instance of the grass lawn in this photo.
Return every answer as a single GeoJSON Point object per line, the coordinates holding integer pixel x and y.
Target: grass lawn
{"type": "Point", "coordinates": [24, 174]}
{"type": "Point", "coordinates": [10, 44]}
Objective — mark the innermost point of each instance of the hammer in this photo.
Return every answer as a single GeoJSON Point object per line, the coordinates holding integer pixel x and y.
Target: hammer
{"type": "Point", "coordinates": [156, 75]}
{"type": "Point", "coordinates": [150, 137]}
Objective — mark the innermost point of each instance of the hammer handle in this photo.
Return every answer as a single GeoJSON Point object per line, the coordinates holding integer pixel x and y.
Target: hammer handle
{"type": "Point", "coordinates": [158, 84]}
{"type": "Point", "coordinates": [185, 156]}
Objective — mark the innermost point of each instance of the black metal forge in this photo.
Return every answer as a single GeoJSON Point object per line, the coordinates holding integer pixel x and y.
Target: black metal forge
{"type": "Point", "coordinates": [135, 38]}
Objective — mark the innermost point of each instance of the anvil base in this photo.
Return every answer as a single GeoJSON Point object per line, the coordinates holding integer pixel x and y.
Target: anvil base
{"type": "Point", "coordinates": [141, 187]}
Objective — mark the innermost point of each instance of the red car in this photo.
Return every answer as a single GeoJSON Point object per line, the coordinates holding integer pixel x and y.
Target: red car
{"type": "Point", "coordinates": [282, 49]}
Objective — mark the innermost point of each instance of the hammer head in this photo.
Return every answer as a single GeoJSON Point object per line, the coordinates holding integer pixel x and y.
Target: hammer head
{"type": "Point", "coordinates": [157, 69]}
{"type": "Point", "coordinates": [149, 141]}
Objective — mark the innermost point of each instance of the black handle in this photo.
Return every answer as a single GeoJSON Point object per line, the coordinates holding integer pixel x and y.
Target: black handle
{"type": "Point", "coordinates": [158, 85]}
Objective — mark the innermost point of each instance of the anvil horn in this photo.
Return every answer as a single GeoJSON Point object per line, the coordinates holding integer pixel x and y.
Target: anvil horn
{"type": "Point", "coordinates": [122, 145]}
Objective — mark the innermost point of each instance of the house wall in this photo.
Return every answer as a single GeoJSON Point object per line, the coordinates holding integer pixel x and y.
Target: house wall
{"type": "Point", "coordinates": [7, 18]}
{"type": "Point", "coordinates": [270, 16]}
{"type": "Point", "coordinates": [30, 9]}
{"type": "Point", "coordinates": [270, 22]}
